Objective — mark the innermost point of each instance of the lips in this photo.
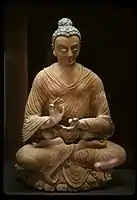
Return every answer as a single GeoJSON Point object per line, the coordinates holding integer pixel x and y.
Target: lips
{"type": "Point", "coordinates": [71, 60]}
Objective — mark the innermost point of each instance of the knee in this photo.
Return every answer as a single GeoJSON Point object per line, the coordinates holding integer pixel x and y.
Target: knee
{"type": "Point", "coordinates": [121, 156]}
{"type": "Point", "coordinates": [23, 156]}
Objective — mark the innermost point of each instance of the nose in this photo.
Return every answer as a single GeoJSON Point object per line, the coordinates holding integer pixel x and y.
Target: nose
{"type": "Point", "coordinates": [70, 53]}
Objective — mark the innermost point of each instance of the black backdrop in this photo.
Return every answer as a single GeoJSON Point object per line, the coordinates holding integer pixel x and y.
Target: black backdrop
{"type": "Point", "coordinates": [108, 48]}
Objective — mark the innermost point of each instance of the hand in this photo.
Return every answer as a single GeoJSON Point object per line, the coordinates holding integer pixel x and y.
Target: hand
{"type": "Point", "coordinates": [41, 144]}
{"type": "Point", "coordinates": [56, 113]}
{"type": "Point", "coordinates": [95, 144]}
{"type": "Point", "coordinates": [74, 124]}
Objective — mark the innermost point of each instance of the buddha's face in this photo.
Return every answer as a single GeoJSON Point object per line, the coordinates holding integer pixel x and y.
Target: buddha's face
{"type": "Point", "coordinates": [66, 49]}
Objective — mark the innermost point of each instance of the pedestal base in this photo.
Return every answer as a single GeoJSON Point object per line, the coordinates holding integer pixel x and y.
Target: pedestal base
{"type": "Point", "coordinates": [62, 181]}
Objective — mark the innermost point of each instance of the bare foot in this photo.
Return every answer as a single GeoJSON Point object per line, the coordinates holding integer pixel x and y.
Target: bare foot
{"type": "Point", "coordinates": [106, 165]}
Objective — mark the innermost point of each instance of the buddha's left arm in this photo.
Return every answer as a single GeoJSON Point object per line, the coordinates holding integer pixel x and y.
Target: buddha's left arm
{"type": "Point", "coordinates": [101, 124]}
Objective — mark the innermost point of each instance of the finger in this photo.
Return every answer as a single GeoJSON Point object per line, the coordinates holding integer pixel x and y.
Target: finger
{"type": "Point", "coordinates": [67, 128]}
{"type": "Point", "coordinates": [70, 128]}
{"type": "Point", "coordinates": [62, 109]}
{"type": "Point", "coordinates": [75, 119]}
{"type": "Point", "coordinates": [59, 118]}
{"type": "Point", "coordinates": [70, 120]}
{"type": "Point", "coordinates": [51, 110]}
{"type": "Point", "coordinates": [61, 114]}
{"type": "Point", "coordinates": [63, 127]}
{"type": "Point", "coordinates": [51, 105]}
{"type": "Point", "coordinates": [55, 101]}
{"type": "Point", "coordinates": [74, 122]}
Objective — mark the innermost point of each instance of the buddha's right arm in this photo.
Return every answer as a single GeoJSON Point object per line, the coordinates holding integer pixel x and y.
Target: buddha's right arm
{"type": "Point", "coordinates": [37, 99]}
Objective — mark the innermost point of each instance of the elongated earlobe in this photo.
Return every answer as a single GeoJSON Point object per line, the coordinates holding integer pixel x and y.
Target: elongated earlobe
{"type": "Point", "coordinates": [54, 53]}
{"type": "Point", "coordinates": [77, 54]}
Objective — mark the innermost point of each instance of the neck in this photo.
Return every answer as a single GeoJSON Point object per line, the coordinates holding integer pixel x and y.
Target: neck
{"type": "Point", "coordinates": [67, 67]}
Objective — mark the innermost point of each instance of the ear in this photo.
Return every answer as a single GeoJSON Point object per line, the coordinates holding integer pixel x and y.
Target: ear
{"type": "Point", "coordinates": [53, 49]}
{"type": "Point", "coordinates": [78, 52]}
{"type": "Point", "coordinates": [54, 53]}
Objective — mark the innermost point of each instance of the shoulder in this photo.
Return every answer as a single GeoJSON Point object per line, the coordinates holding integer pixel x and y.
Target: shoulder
{"type": "Point", "coordinates": [40, 78]}
{"type": "Point", "coordinates": [95, 79]}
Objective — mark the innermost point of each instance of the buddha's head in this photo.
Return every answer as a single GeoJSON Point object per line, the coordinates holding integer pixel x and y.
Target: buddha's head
{"type": "Point", "coordinates": [66, 42]}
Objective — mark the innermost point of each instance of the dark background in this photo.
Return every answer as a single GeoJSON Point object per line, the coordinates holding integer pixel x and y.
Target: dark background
{"type": "Point", "coordinates": [108, 48]}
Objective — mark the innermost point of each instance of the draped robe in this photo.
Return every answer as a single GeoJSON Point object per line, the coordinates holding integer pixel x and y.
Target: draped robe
{"type": "Point", "coordinates": [84, 99]}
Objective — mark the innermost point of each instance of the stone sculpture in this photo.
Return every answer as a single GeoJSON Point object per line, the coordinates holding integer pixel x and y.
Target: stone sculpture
{"type": "Point", "coordinates": [67, 123]}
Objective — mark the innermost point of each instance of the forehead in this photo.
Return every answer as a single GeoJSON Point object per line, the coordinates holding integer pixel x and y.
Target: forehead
{"type": "Point", "coordinates": [67, 41]}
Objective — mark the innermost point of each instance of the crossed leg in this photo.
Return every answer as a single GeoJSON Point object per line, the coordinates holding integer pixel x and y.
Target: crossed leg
{"type": "Point", "coordinates": [101, 159]}
{"type": "Point", "coordinates": [31, 158]}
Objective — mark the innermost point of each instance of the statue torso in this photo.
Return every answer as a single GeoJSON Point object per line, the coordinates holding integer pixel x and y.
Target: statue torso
{"type": "Point", "coordinates": [75, 97]}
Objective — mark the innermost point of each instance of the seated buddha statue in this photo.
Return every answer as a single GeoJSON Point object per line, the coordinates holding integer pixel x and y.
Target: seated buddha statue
{"type": "Point", "coordinates": [67, 123]}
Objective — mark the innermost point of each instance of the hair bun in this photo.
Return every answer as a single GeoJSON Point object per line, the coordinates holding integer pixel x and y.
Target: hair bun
{"type": "Point", "coordinates": [64, 22]}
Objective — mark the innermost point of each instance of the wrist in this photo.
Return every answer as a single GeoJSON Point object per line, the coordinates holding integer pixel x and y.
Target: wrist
{"type": "Point", "coordinates": [47, 124]}
{"type": "Point", "coordinates": [83, 124]}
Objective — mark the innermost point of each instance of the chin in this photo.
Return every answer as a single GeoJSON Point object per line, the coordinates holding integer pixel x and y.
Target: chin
{"type": "Point", "coordinates": [71, 63]}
